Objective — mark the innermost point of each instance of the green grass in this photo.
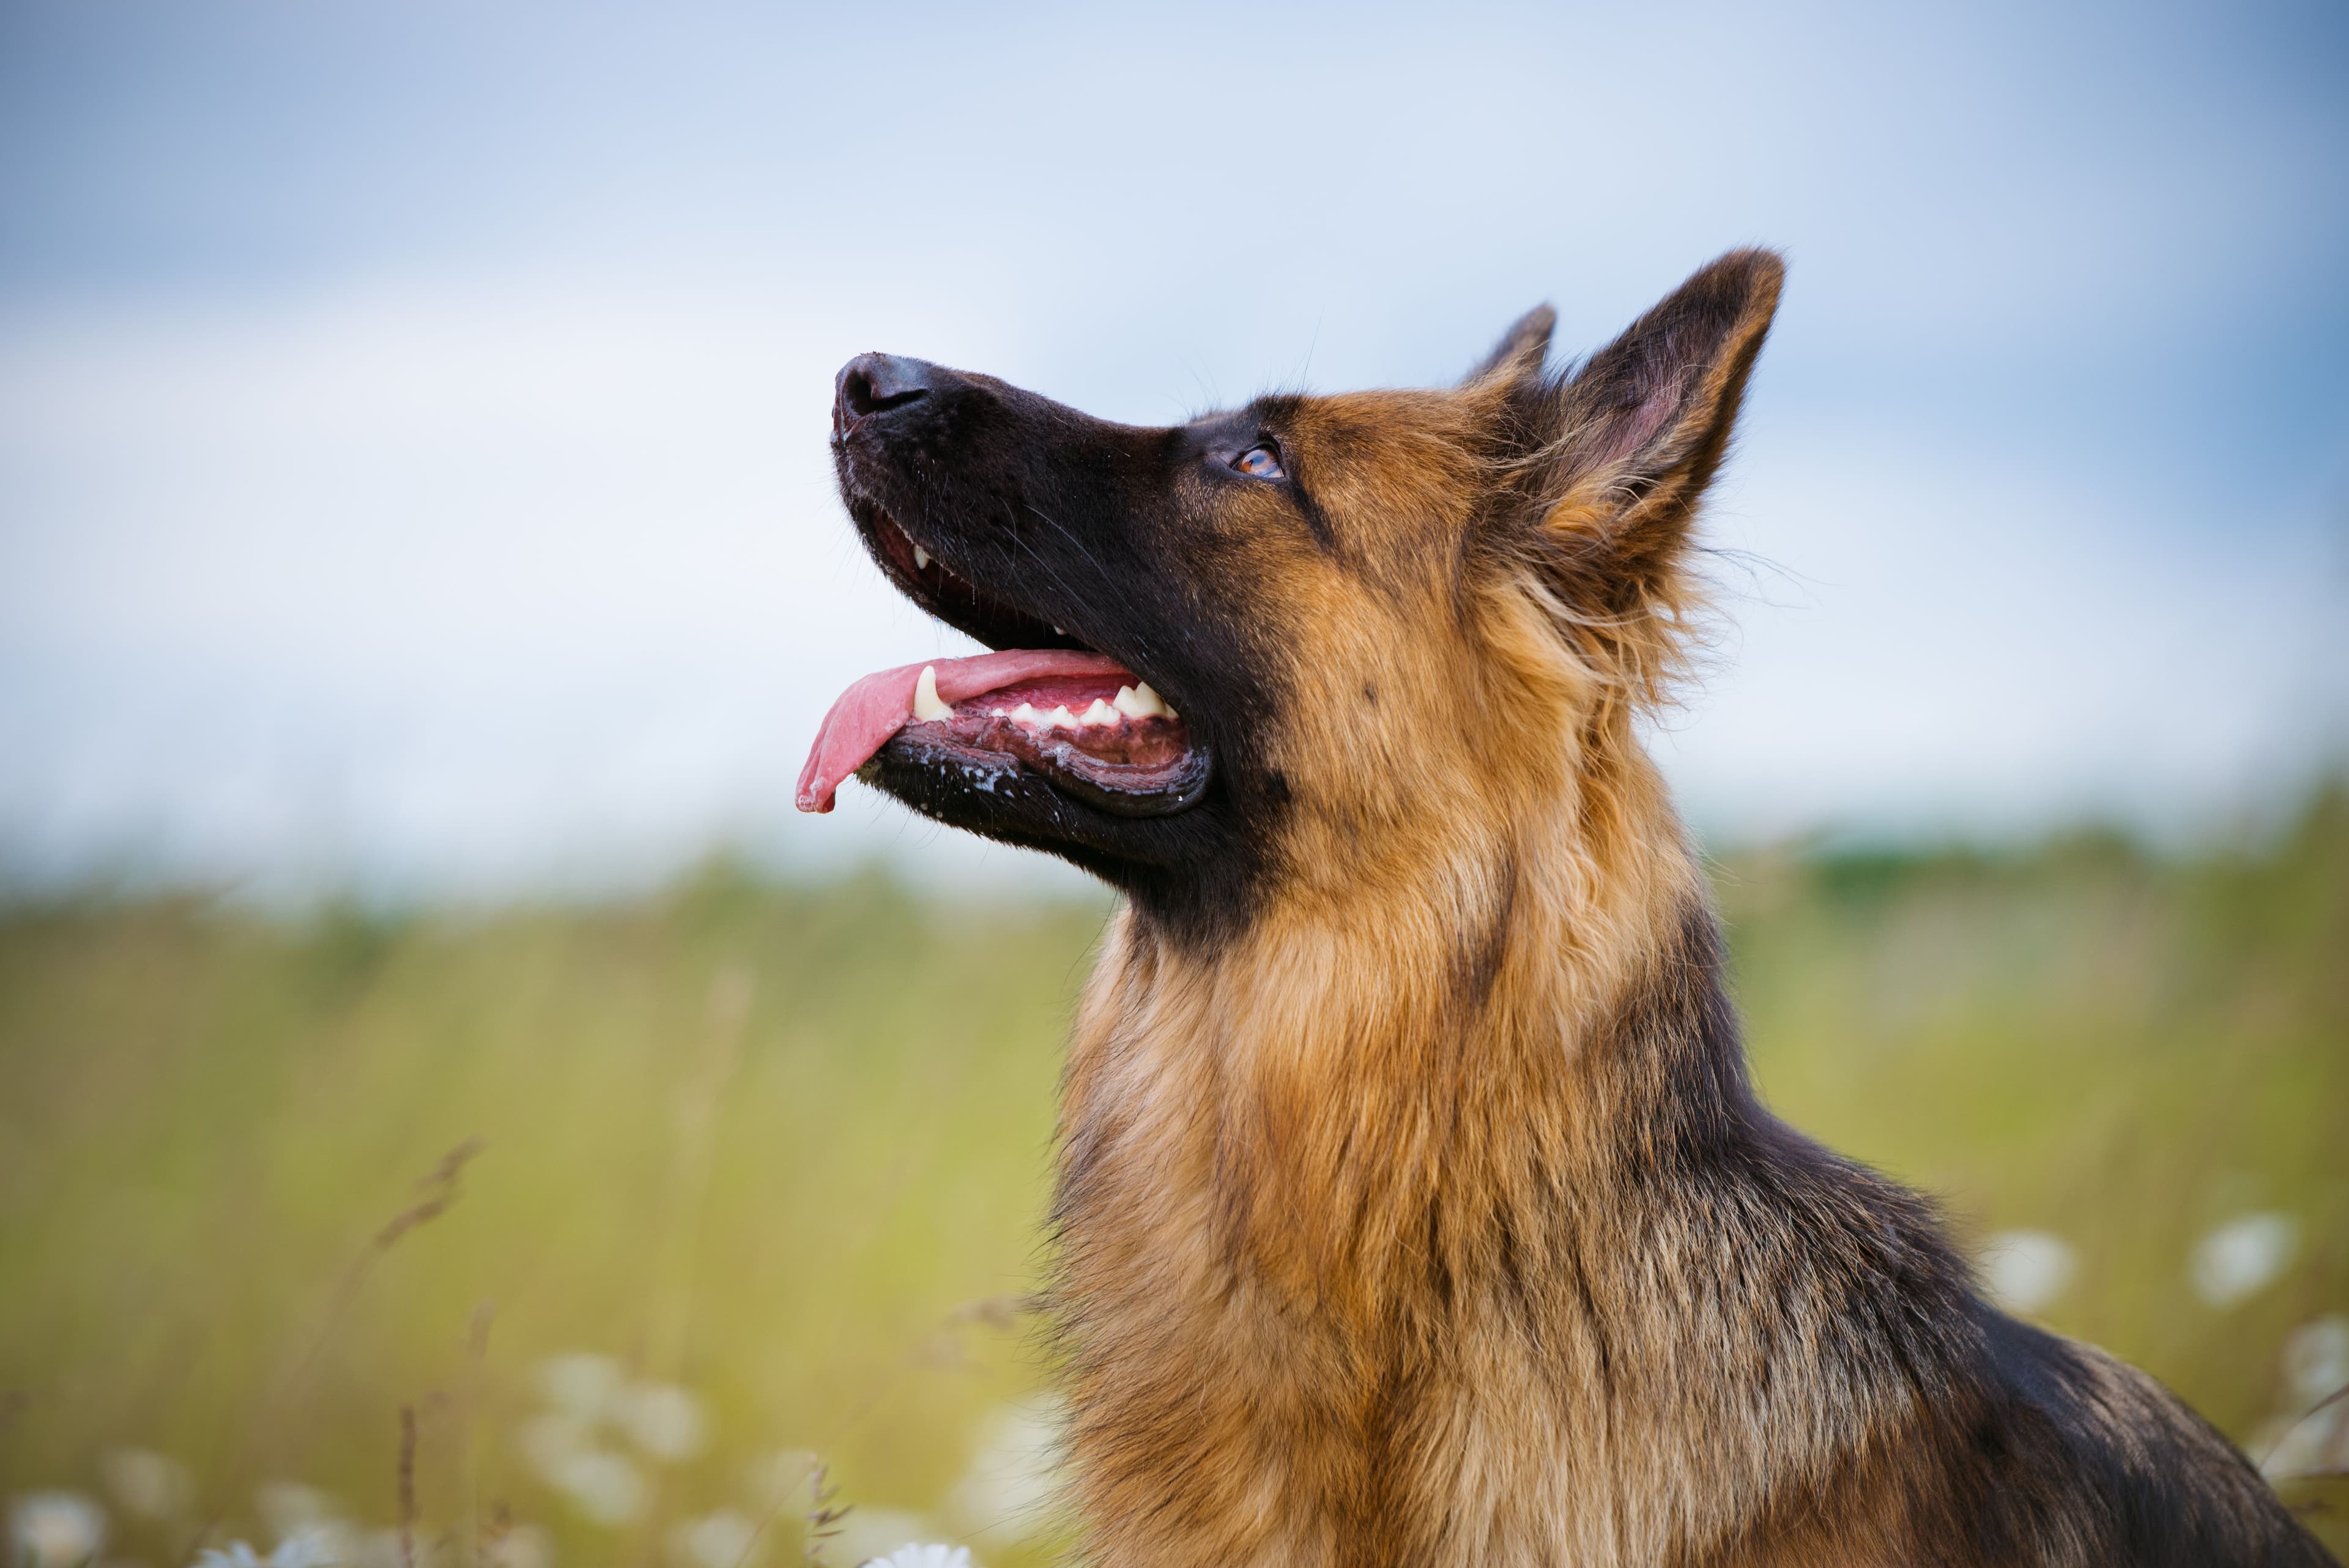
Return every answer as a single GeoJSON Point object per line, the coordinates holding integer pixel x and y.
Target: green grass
{"type": "Point", "coordinates": [773, 1144]}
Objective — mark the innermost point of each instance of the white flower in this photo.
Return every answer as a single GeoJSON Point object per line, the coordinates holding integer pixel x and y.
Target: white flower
{"type": "Point", "coordinates": [385, 1549]}
{"type": "Point", "coordinates": [308, 1548]}
{"type": "Point", "coordinates": [329, 1543]}
{"type": "Point", "coordinates": [54, 1529]}
{"type": "Point", "coordinates": [148, 1483]}
{"type": "Point", "coordinates": [2025, 1270]}
{"type": "Point", "coordinates": [912, 1556]}
{"type": "Point", "coordinates": [606, 1487]}
{"type": "Point", "coordinates": [868, 1534]}
{"type": "Point", "coordinates": [235, 1554]}
{"type": "Point", "coordinates": [582, 1386]}
{"type": "Point", "coordinates": [718, 1540]}
{"type": "Point", "coordinates": [520, 1546]}
{"type": "Point", "coordinates": [663, 1420]}
{"type": "Point", "coordinates": [2243, 1256]}
{"type": "Point", "coordinates": [289, 1508]}
{"type": "Point", "coordinates": [294, 1552]}
{"type": "Point", "coordinates": [551, 1442]}
{"type": "Point", "coordinates": [1014, 1478]}
{"type": "Point", "coordinates": [2312, 1444]}
{"type": "Point", "coordinates": [2316, 1358]}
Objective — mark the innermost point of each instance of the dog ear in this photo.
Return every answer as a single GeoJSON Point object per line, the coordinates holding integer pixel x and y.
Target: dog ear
{"type": "Point", "coordinates": [1634, 437]}
{"type": "Point", "coordinates": [1517, 357]}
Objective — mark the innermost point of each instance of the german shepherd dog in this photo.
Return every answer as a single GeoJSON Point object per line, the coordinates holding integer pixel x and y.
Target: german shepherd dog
{"type": "Point", "coordinates": [1415, 1206]}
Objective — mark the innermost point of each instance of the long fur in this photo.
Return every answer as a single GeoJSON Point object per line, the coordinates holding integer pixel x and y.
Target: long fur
{"type": "Point", "coordinates": [1435, 1220]}
{"type": "Point", "coordinates": [1414, 1206]}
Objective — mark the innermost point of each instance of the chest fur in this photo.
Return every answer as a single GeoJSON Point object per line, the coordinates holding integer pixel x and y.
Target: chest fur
{"type": "Point", "coordinates": [1371, 1284]}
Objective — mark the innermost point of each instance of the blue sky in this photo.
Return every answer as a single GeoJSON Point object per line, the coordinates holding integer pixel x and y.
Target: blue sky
{"type": "Point", "coordinates": [411, 418]}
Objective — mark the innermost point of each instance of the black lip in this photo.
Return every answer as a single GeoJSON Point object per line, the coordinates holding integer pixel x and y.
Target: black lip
{"type": "Point", "coordinates": [924, 746]}
{"type": "Point", "coordinates": [950, 594]}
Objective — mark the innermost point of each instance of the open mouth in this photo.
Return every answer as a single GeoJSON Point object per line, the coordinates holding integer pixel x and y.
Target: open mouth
{"type": "Point", "coordinates": [1044, 703]}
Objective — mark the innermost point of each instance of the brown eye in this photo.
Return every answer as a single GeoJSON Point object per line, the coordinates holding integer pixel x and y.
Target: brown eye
{"type": "Point", "coordinates": [1261, 462]}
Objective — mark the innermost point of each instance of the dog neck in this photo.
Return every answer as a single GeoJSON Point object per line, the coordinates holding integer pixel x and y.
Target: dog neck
{"type": "Point", "coordinates": [1393, 1049]}
{"type": "Point", "coordinates": [1450, 1183]}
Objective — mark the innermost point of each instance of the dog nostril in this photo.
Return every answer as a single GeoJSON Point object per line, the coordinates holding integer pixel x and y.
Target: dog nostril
{"type": "Point", "coordinates": [875, 383]}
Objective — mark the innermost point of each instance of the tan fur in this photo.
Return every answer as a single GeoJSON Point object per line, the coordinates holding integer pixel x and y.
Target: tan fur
{"type": "Point", "coordinates": [1283, 1150]}
{"type": "Point", "coordinates": [1427, 1219]}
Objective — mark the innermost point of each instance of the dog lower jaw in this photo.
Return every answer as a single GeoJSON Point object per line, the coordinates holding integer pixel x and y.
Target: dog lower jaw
{"type": "Point", "coordinates": [985, 748]}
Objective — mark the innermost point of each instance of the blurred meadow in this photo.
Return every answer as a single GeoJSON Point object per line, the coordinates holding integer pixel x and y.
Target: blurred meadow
{"type": "Point", "coordinates": [416, 516]}
{"type": "Point", "coordinates": [567, 1233]}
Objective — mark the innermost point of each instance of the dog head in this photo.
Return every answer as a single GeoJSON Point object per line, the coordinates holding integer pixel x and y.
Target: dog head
{"type": "Point", "coordinates": [1311, 641]}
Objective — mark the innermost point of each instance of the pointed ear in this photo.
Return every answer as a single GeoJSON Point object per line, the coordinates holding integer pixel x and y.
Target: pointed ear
{"type": "Point", "coordinates": [1518, 355]}
{"type": "Point", "coordinates": [1638, 433]}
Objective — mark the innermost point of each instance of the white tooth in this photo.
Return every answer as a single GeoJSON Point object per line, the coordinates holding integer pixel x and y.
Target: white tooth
{"type": "Point", "coordinates": [921, 558]}
{"type": "Point", "coordinates": [1026, 715]}
{"type": "Point", "coordinates": [1100, 712]}
{"type": "Point", "coordinates": [1061, 719]}
{"type": "Point", "coordinates": [927, 706]}
{"type": "Point", "coordinates": [1060, 632]}
{"type": "Point", "coordinates": [1141, 702]}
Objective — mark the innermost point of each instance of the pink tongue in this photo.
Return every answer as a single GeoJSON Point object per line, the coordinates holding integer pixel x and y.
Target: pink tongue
{"type": "Point", "coordinates": [877, 707]}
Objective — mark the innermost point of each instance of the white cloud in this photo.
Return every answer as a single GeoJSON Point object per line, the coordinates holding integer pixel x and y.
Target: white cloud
{"type": "Point", "coordinates": [442, 495]}
{"type": "Point", "coordinates": [468, 591]}
{"type": "Point", "coordinates": [1917, 640]}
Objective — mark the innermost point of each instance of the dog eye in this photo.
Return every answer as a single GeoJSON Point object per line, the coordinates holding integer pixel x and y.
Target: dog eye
{"type": "Point", "coordinates": [1261, 462]}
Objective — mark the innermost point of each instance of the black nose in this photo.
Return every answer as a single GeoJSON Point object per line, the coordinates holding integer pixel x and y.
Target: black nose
{"type": "Point", "coordinates": [873, 384]}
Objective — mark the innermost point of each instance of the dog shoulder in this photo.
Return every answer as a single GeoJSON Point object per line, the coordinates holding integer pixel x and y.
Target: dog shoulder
{"type": "Point", "coordinates": [2069, 1425]}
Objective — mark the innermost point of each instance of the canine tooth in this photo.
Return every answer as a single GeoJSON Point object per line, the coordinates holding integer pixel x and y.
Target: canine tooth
{"type": "Point", "coordinates": [927, 706]}
{"type": "Point", "coordinates": [921, 558]}
{"type": "Point", "coordinates": [1100, 712]}
{"type": "Point", "coordinates": [1140, 702]}
{"type": "Point", "coordinates": [1061, 719]}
